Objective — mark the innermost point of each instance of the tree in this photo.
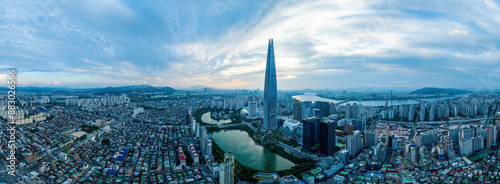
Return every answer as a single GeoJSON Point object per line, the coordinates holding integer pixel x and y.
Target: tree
{"type": "Point", "coordinates": [106, 142]}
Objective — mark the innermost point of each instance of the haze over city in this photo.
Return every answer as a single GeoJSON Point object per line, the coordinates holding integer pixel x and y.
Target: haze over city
{"type": "Point", "coordinates": [222, 44]}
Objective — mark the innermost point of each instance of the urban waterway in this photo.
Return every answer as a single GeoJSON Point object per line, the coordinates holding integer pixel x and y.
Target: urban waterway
{"type": "Point", "coordinates": [248, 153]}
{"type": "Point", "coordinates": [206, 117]}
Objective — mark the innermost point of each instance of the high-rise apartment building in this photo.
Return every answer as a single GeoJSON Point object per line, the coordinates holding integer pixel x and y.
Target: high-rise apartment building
{"type": "Point", "coordinates": [227, 169]}
{"type": "Point", "coordinates": [354, 143]}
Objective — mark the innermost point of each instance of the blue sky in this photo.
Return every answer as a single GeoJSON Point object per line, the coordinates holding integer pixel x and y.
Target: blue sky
{"type": "Point", "coordinates": [222, 43]}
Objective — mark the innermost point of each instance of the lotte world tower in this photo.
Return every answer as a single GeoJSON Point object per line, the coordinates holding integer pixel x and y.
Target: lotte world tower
{"type": "Point", "coordinates": [270, 90]}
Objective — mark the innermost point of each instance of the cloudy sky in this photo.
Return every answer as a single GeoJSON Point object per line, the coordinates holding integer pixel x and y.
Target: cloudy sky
{"type": "Point", "coordinates": [223, 43]}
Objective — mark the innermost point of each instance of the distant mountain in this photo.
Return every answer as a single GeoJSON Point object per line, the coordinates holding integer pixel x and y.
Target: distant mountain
{"type": "Point", "coordinates": [34, 89]}
{"type": "Point", "coordinates": [132, 89]}
{"type": "Point", "coordinates": [434, 91]}
{"type": "Point", "coordinates": [199, 87]}
{"type": "Point", "coordinates": [107, 90]}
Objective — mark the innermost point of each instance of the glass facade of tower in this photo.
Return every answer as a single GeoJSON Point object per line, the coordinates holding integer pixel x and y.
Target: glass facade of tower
{"type": "Point", "coordinates": [270, 90]}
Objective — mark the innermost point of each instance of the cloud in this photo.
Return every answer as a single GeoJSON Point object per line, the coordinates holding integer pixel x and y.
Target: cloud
{"type": "Point", "coordinates": [186, 43]}
{"type": "Point", "coordinates": [57, 83]}
{"type": "Point", "coordinates": [332, 71]}
{"type": "Point", "coordinates": [457, 31]}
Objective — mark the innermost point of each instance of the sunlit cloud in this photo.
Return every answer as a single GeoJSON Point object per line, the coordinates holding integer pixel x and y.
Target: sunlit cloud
{"type": "Point", "coordinates": [457, 31]}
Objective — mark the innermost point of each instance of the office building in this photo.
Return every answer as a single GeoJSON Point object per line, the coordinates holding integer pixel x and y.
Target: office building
{"type": "Point", "coordinates": [270, 91]}
{"type": "Point", "coordinates": [297, 111]}
{"type": "Point", "coordinates": [371, 138]}
{"type": "Point", "coordinates": [358, 124]}
{"type": "Point", "coordinates": [354, 110]}
{"type": "Point", "coordinates": [327, 137]}
{"type": "Point", "coordinates": [252, 107]}
{"type": "Point", "coordinates": [306, 113]}
{"type": "Point", "coordinates": [324, 108]}
{"type": "Point", "coordinates": [332, 108]}
{"type": "Point", "coordinates": [344, 156]}
{"type": "Point", "coordinates": [289, 128]}
{"type": "Point", "coordinates": [310, 132]}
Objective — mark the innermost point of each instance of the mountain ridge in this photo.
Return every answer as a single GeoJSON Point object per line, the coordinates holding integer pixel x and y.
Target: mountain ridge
{"type": "Point", "coordinates": [434, 90]}
{"type": "Point", "coordinates": [143, 88]}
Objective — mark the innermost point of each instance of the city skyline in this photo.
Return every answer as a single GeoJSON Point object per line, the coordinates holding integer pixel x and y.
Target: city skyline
{"type": "Point", "coordinates": [123, 91]}
{"type": "Point", "coordinates": [321, 45]}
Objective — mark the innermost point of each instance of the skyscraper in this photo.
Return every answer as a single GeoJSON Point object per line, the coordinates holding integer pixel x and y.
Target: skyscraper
{"type": "Point", "coordinates": [327, 137]}
{"type": "Point", "coordinates": [208, 145]}
{"type": "Point", "coordinates": [227, 169]}
{"type": "Point", "coordinates": [324, 108]}
{"type": "Point", "coordinates": [348, 110]}
{"type": "Point", "coordinates": [453, 132]}
{"type": "Point", "coordinates": [310, 132]}
{"type": "Point", "coordinates": [371, 138]}
{"type": "Point", "coordinates": [203, 138]}
{"type": "Point", "coordinates": [354, 143]}
{"type": "Point", "coordinates": [297, 111]}
{"type": "Point", "coordinates": [270, 90]}
{"type": "Point", "coordinates": [252, 106]}
{"type": "Point", "coordinates": [422, 112]}
{"type": "Point", "coordinates": [358, 124]}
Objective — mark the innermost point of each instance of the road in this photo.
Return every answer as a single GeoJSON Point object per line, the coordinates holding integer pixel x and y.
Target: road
{"type": "Point", "coordinates": [374, 121]}
{"type": "Point", "coordinates": [237, 124]}
{"type": "Point", "coordinates": [492, 113]}
{"type": "Point", "coordinates": [296, 151]}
